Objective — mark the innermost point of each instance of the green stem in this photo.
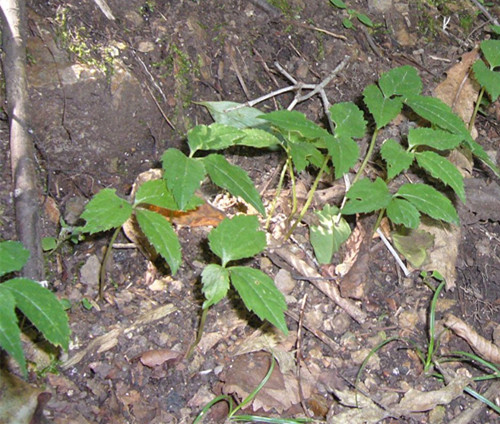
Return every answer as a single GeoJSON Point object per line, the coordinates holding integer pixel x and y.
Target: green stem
{"type": "Point", "coordinates": [109, 249]}
{"type": "Point", "coordinates": [367, 156]}
{"type": "Point", "coordinates": [199, 333]}
{"type": "Point", "coordinates": [276, 196]}
{"type": "Point", "coordinates": [381, 214]}
{"type": "Point", "coordinates": [432, 327]}
{"type": "Point", "coordinates": [309, 197]}
{"type": "Point", "coordinates": [294, 191]}
{"type": "Point", "coordinates": [476, 109]}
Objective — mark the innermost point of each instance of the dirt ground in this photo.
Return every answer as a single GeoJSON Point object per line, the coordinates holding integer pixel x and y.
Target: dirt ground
{"type": "Point", "coordinates": [109, 96]}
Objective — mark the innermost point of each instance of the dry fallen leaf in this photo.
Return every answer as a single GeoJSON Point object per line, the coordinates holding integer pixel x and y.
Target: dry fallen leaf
{"type": "Point", "coordinates": [479, 344]}
{"type": "Point", "coordinates": [155, 357]}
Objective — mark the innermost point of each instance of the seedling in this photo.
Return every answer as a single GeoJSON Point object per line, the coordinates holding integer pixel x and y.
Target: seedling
{"type": "Point", "coordinates": [37, 303]}
{"type": "Point", "coordinates": [352, 15]}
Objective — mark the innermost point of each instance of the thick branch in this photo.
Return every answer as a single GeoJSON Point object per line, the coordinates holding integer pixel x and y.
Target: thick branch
{"type": "Point", "coordinates": [21, 145]}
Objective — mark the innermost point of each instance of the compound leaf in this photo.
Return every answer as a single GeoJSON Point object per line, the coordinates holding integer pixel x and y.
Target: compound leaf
{"type": "Point", "coordinates": [344, 152]}
{"type": "Point", "coordinates": [42, 308]}
{"type": "Point", "coordinates": [183, 175]}
{"type": "Point", "coordinates": [303, 154]}
{"type": "Point", "coordinates": [383, 109]}
{"type": "Point", "coordinates": [397, 158]}
{"type": "Point", "coordinates": [442, 169]}
{"type": "Point", "coordinates": [401, 81]}
{"type": "Point", "coordinates": [260, 295]}
{"type": "Point", "coordinates": [258, 138]}
{"type": "Point", "coordinates": [400, 211]}
{"type": "Point", "coordinates": [437, 139]}
{"type": "Point", "coordinates": [13, 256]}
{"type": "Point", "coordinates": [237, 238]}
{"type": "Point", "coordinates": [296, 122]}
{"type": "Point", "coordinates": [429, 201]}
{"type": "Point", "coordinates": [215, 281]}
{"type": "Point", "coordinates": [233, 179]}
{"type": "Point", "coordinates": [155, 192]}
{"type": "Point", "coordinates": [10, 335]}
{"type": "Point", "coordinates": [161, 235]}
{"type": "Point", "coordinates": [366, 196]}
{"type": "Point", "coordinates": [349, 120]}
{"type": "Point", "coordinates": [105, 211]}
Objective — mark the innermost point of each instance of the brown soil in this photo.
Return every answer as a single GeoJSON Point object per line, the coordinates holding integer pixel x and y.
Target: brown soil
{"type": "Point", "coordinates": [101, 91]}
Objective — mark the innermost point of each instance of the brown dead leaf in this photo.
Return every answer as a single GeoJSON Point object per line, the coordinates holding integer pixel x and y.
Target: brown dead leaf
{"type": "Point", "coordinates": [362, 409]}
{"type": "Point", "coordinates": [458, 90]}
{"type": "Point", "coordinates": [479, 344]}
{"type": "Point", "coordinates": [155, 357]}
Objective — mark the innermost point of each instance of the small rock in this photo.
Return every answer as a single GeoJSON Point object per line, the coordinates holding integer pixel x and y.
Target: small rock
{"type": "Point", "coordinates": [73, 209]}
{"type": "Point", "coordinates": [381, 6]}
{"type": "Point", "coordinates": [146, 46]}
{"type": "Point", "coordinates": [89, 273]}
{"type": "Point", "coordinates": [284, 281]}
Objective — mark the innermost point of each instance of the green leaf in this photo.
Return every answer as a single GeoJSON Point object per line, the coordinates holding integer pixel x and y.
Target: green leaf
{"type": "Point", "coordinates": [487, 78]}
{"type": "Point", "coordinates": [366, 196]}
{"type": "Point", "coordinates": [259, 139]}
{"type": "Point", "coordinates": [303, 154]}
{"type": "Point", "coordinates": [397, 158]}
{"type": "Point", "coordinates": [429, 201]}
{"type": "Point", "coordinates": [42, 308]}
{"type": "Point", "coordinates": [413, 245]}
{"type": "Point", "coordinates": [442, 169]}
{"type": "Point", "coordinates": [478, 151]}
{"type": "Point", "coordinates": [437, 139]}
{"type": "Point", "coordinates": [196, 138]}
{"type": "Point", "coordinates": [491, 51]}
{"type": "Point", "coordinates": [155, 192]}
{"type": "Point", "coordinates": [495, 29]}
{"type": "Point", "coordinates": [295, 122]}
{"type": "Point", "coordinates": [49, 243]}
{"type": "Point", "coordinates": [383, 109]}
{"type": "Point", "coordinates": [183, 175]}
{"type": "Point", "coordinates": [401, 81]}
{"type": "Point", "coordinates": [105, 211]}
{"type": "Point", "coordinates": [162, 237]}
{"type": "Point", "coordinates": [344, 152]}
{"type": "Point", "coordinates": [347, 23]}
{"type": "Point", "coordinates": [233, 179]}
{"type": "Point", "coordinates": [338, 3]}
{"type": "Point", "coordinates": [260, 295]}
{"type": "Point", "coordinates": [13, 256]}
{"type": "Point", "coordinates": [10, 335]}
{"type": "Point", "coordinates": [327, 237]}
{"type": "Point", "coordinates": [215, 281]}
{"type": "Point", "coordinates": [438, 113]}
{"type": "Point", "coordinates": [237, 238]}
{"type": "Point", "coordinates": [349, 120]}
{"type": "Point", "coordinates": [402, 212]}
{"type": "Point", "coordinates": [232, 114]}
{"type": "Point", "coordinates": [214, 137]}
{"type": "Point", "coordinates": [365, 20]}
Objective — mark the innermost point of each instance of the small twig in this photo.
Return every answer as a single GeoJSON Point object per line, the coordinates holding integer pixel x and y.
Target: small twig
{"type": "Point", "coordinates": [230, 53]}
{"type": "Point", "coordinates": [299, 357]}
{"type": "Point", "coordinates": [160, 108]}
{"type": "Point", "coordinates": [486, 13]}
{"type": "Point", "coordinates": [391, 249]}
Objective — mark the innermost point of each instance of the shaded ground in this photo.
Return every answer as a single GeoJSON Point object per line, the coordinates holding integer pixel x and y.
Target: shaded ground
{"type": "Point", "coordinates": [101, 91]}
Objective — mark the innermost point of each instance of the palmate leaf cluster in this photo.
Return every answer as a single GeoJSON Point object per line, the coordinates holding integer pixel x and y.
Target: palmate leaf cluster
{"type": "Point", "coordinates": [34, 301]}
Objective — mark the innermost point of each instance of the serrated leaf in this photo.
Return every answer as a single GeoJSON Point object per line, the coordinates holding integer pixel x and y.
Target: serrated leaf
{"type": "Point", "coordinates": [338, 3]}
{"type": "Point", "coordinates": [257, 138]}
{"type": "Point", "coordinates": [349, 120]}
{"type": "Point", "coordinates": [478, 151]}
{"type": "Point", "coordinates": [42, 308]}
{"type": "Point", "coordinates": [196, 138]}
{"type": "Point", "coordinates": [491, 51]}
{"type": "Point", "coordinates": [233, 179]}
{"type": "Point", "coordinates": [215, 281]}
{"type": "Point", "coordinates": [155, 192]}
{"type": "Point", "coordinates": [402, 212]}
{"type": "Point", "coordinates": [233, 114]}
{"type": "Point", "coordinates": [10, 335]}
{"type": "Point", "coordinates": [295, 122]}
{"type": "Point", "coordinates": [237, 238]}
{"type": "Point", "coordinates": [327, 237]}
{"type": "Point", "coordinates": [303, 154]}
{"type": "Point", "coordinates": [260, 295]}
{"type": "Point", "coordinates": [213, 137]}
{"type": "Point", "coordinates": [437, 139]}
{"type": "Point", "coordinates": [487, 78]}
{"type": "Point", "coordinates": [364, 19]}
{"type": "Point", "coordinates": [442, 169]}
{"type": "Point", "coordinates": [397, 158]}
{"type": "Point", "coordinates": [438, 113]}
{"type": "Point", "coordinates": [383, 109]}
{"type": "Point", "coordinates": [105, 211]}
{"type": "Point", "coordinates": [366, 196]}
{"type": "Point", "coordinates": [183, 175]}
{"type": "Point", "coordinates": [344, 152]}
{"type": "Point", "coordinates": [429, 201]}
{"type": "Point", "coordinates": [162, 237]}
{"type": "Point", "coordinates": [413, 245]}
{"type": "Point", "coordinates": [401, 81]}
{"type": "Point", "coordinates": [13, 256]}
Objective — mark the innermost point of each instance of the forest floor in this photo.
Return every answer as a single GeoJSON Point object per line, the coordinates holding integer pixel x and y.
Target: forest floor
{"type": "Point", "coordinates": [109, 96]}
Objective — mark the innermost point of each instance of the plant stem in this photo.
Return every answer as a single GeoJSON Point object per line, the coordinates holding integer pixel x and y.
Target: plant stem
{"type": "Point", "coordinates": [309, 197]}
{"type": "Point", "coordinates": [367, 156]}
{"type": "Point", "coordinates": [432, 329]}
{"type": "Point", "coordinates": [476, 109]}
{"type": "Point", "coordinates": [102, 274]}
{"type": "Point", "coordinates": [276, 196]}
{"type": "Point", "coordinates": [199, 333]}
